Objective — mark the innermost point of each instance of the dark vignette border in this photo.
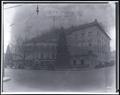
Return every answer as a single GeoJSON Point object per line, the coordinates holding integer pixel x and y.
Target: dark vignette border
{"type": "Point", "coordinates": [73, 2]}
{"type": "Point", "coordinates": [56, 2]}
{"type": "Point", "coordinates": [117, 46]}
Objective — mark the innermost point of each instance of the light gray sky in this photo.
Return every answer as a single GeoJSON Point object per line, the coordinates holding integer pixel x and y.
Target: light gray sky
{"type": "Point", "coordinates": [19, 19]}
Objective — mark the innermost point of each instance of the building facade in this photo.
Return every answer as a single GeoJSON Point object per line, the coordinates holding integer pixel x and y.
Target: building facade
{"type": "Point", "coordinates": [88, 45]}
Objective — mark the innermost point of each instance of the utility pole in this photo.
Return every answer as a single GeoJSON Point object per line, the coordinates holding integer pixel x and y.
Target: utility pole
{"type": "Point", "coordinates": [37, 10]}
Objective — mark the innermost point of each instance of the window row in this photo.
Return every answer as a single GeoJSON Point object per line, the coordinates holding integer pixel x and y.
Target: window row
{"type": "Point", "coordinates": [46, 55]}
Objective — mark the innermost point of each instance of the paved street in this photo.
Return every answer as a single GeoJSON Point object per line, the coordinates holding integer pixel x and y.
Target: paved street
{"type": "Point", "coordinates": [96, 80]}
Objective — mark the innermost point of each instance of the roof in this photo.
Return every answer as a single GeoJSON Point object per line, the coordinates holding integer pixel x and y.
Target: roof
{"type": "Point", "coordinates": [84, 26]}
{"type": "Point", "coordinates": [53, 34]}
{"type": "Point", "coordinates": [45, 37]}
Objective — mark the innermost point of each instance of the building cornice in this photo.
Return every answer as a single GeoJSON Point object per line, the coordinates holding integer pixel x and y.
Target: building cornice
{"type": "Point", "coordinates": [84, 26]}
{"type": "Point", "coordinates": [54, 33]}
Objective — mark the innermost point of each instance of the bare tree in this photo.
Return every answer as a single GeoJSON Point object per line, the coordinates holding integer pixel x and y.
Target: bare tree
{"type": "Point", "coordinates": [8, 57]}
{"type": "Point", "coordinates": [21, 52]}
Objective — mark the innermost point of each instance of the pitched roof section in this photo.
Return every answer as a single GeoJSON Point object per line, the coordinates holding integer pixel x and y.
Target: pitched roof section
{"type": "Point", "coordinates": [77, 28]}
{"type": "Point", "coordinates": [101, 28]}
{"type": "Point", "coordinates": [53, 34]}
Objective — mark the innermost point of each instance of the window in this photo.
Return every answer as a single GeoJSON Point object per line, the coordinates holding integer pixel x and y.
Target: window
{"type": "Point", "coordinates": [74, 62]}
{"type": "Point", "coordinates": [90, 44]}
{"type": "Point", "coordinates": [53, 56]}
{"type": "Point", "coordinates": [42, 56]}
{"type": "Point", "coordinates": [82, 33]}
{"type": "Point", "coordinates": [39, 55]}
{"type": "Point", "coordinates": [47, 55]}
{"type": "Point", "coordinates": [89, 33]}
{"type": "Point", "coordinates": [98, 33]}
{"type": "Point", "coordinates": [82, 62]}
{"type": "Point", "coordinates": [50, 56]}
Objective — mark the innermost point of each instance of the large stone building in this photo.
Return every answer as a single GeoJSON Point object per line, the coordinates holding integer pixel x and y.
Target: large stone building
{"type": "Point", "coordinates": [88, 45]}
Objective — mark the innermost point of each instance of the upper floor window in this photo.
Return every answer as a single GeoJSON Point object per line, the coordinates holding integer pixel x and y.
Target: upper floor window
{"type": "Point", "coordinates": [97, 32]}
{"type": "Point", "coordinates": [82, 34]}
{"type": "Point", "coordinates": [90, 44]}
{"type": "Point", "coordinates": [53, 55]}
{"type": "Point", "coordinates": [47, 55]}
{"type": "Point", "coordinates": [42, 55]}
{"type": "Point", "coordinates": [89, 33]}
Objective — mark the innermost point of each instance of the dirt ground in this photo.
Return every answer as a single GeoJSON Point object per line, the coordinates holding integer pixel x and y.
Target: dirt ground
{"type": "Point", "coordinates": [96, 80]}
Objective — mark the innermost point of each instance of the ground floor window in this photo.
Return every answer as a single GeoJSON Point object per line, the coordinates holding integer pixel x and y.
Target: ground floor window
{"type": "Point", "coordinates": [74, 62]}
{"type": "Point", "coordinates": [82, 62]}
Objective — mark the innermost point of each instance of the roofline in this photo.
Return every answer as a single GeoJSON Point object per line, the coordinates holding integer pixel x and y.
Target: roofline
{"type": "Point", "coordinates": [103, 30]}
{"type": "Point", "coordinates": [89, 25]}
{"type": "Point", "coordinates": [83, 26]}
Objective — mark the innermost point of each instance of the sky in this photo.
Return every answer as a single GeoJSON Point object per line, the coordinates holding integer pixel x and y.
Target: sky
{"type": "Point", "coordinates": [19, 18]}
